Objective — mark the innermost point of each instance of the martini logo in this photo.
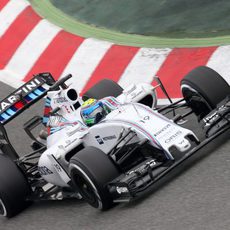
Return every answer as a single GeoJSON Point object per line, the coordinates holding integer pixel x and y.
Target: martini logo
{"type": "Point", "coordinates": [25, 89]}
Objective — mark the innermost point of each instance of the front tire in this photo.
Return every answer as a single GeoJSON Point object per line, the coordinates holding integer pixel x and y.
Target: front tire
{"type": "Point", "coordinates": [90, 170]}
{"type": "Point", "coordinates": [203, 88]}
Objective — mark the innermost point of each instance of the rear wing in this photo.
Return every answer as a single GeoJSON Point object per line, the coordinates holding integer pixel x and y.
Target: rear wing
{"type": "Point", "coordinates": [25, 96]}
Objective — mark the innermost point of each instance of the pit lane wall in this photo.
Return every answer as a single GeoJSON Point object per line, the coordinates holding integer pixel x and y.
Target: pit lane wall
{"type": "Point", "coordinates": [30, 44]}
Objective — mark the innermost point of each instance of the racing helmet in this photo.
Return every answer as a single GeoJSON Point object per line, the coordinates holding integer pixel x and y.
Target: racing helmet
{"type": "Point", "coordinates": [92, 111]}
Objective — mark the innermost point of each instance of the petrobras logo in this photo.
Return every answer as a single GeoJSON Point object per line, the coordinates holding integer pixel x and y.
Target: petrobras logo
{"type": "Point", "coordinates": [173, 137]}
{"type": "Point", "coordinates": [25, 89]}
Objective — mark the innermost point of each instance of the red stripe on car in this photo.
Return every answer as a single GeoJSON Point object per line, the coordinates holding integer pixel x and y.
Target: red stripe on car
{"type": "Point", "coordinates": [18, 105]}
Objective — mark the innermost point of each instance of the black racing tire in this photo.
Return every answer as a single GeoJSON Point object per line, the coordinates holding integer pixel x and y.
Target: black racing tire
{"type": "Point", "coordinates": [90, 170]}
{"type": "Point", "coordinates": [14, 188]}
{"type": "Point", "coordinates": [103, 88]}
{"type": "Point", "coordinates": [203, 88]}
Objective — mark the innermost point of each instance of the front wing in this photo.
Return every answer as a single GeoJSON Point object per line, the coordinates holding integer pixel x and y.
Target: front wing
{"type": "Point", "coordinates": [140, 179]}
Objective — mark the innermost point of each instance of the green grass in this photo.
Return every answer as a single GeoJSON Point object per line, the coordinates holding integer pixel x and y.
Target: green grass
{"type": "Point", "coordinates": [48, 11]}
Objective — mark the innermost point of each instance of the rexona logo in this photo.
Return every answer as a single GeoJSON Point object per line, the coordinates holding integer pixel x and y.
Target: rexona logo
{"type": "Point", "coordinates": [26, 88]}
{"type": "Point", "coordinates": [162, 130]}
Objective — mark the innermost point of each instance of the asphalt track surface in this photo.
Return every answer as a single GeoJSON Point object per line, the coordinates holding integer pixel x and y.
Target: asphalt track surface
{"type": "Point", "coordinates": [196, 196]}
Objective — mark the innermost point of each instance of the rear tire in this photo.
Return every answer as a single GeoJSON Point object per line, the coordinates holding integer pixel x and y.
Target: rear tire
{"type": "Point", "coordinates": [103, 88]}
{"type": "Point", "coordinates": [14, 188]}
{"type": "Point", "coordinates": [203, 88]}
{"type": "Point", "coordinates": [91, 169]}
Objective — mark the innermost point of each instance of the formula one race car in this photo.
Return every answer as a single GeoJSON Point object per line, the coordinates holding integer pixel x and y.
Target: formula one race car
{"type": "Point", "coordinates": [108, 146]}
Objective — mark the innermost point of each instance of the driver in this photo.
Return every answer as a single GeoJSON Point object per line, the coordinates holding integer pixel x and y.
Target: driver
{"type": "Point", "coordinates": [93, 111]}
{"type": "Point", "coordinates": [66, 103]}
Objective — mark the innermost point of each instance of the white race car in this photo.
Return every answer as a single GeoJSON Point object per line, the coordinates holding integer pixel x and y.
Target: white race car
{"type": "Point", "coordinates": [119, 156]}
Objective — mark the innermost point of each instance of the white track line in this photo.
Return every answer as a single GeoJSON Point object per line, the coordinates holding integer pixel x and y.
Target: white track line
{"type": "Point", "coordinates": [85, 60]}
{"type": "Point", "coordinates": [144, 66]}
{"type": "Point", "coordinates": [10, 12]}
{"type": "Point", "coordinates": [220, 61]}
{"type": "Point", "coordinates": [31, 49]}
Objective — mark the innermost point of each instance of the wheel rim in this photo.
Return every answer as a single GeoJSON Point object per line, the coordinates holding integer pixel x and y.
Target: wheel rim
{"type": "Point", "coordinates": [3, 211]}
{"type": "Point", "coordinates": [201, 106]}
{"type": "Point", "coordinates": [194, 92]}
{"type": "Point", "coordinates": [85, 187]}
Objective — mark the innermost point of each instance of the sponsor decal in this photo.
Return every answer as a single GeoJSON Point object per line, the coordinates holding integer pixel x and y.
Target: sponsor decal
{"type": "Point", "coordinates": [146, 118]}
{"type": "Point", "coordinates": [162, 130]}
{"type": "Point", "coordinates": [173, 137]}
{"type": "Point", "coordinates": [109, 138]}
{"type": "Point", "coordinates": [101, 140]}
{"type": "Point", "coordinates": [181, 142]}
{"type": "Point", "coordinates": [212, 117]}
{"type": "Point", "coordinates": [60, 100]}
{"type": "Point", "coordinates": [131, 90]}
{"type": "Point", "coordinates": [43, 170]}
{"type": "Point", "coordinates": [27, 88]}
{"type": "Point", "coordinates": [54, 121]}
{"type": "Point", "coordinates": [66, 108]}
{"type": "Point", "coordinates": [58, 167]}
